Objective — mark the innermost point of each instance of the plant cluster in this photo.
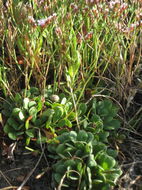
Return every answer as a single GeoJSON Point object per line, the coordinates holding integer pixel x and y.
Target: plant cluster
{"type": "Point", "coordinates": [78, 49]}
{"type": "Point", "coordinates": [81, 154]}
{"type": "Point", "coordinates": [37, 116]}
{"type": "Point", "coordinates": [83, 162]}
{"type": "Point", "coordinates": [83, 159]}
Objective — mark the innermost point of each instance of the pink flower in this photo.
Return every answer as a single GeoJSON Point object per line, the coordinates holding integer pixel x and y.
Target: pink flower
{"type": "Point", "coordinates": [45, 21]}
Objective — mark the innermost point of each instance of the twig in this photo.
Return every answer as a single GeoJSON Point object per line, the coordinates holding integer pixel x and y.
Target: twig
{"type": "Point", "coordinates": [5, 178]}
{"type": "Point", "coordinates": [13, 187]}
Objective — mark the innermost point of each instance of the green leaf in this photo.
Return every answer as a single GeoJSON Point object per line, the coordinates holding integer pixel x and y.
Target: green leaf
{"type": "Point", "coordinates": [95, 118]}
{"type": "Point", "coordinates": [64, 122]}
{"type": "Point", "coordinates": [41, 139]}
{"type": "Point", "coordinates": [21, 116]}
{"type": "Point", "coordinates": [49, 112]}
{"type": "Point", "coordinates": [90, 137]}
{"type": "Point", "coordinates": [28, 139]}
{"type": "Point", "coordinates": [34, 91]}
{"type": "Point", "coordinates": [63, 137]}
{"type": "Point", "coordinates": [60, 168]}
{"type": "Point", "coordinates": [27, 123]}
{"type": "Point", "coordinates": [57, 177]}
{"type": "Point", "coordinates": [68, 106]}
{"type": "Point", "coordinates": [30, 133]}
{"type": "Point", "coordinates": [82, 108]}
{"type": "Point", "coordinates": [91, 161]}
{"type": "Point", "coordinates": [112, 153]}
{"type": "Point", "coordinates": [58, 113]}
{"type": "Point", "coordinates": [60, 149]}
{"type": "Point", "coordinates": [106, 162]}
{"type": "Point", "coordinates": [71, 116]}
{"type": "Point", "coordinates": [15, 111]}
{"type": "Point", "coordinates": [79, 167]}
{"type": "Point", "coordinates": [82, 136]}
{"type": "Point", "coordinates": [12, 136]}
{"type": "Point", "coordinates": [97, 181]}
{"type": "Point", "coordinates": [7, 128]}
{"type": "Point", "coordinates": [26, 103]}
{"type": "Point", "coordinates": [31, 104]}
{"type": "Point", "coordinates": [18, 98]}
{"type": "Point", "coordinates": [97, 122]}
{"type": "Point", "coordinates": [103, 136]}
{"type": "Point", "coordinates": [113, 176]}
{"type": "Point", "coordinates": [63, 101]}
{"type": "Point", "coordinates": [94, 104]}
{"type": "Point", "coordinates": [32, 111]}
{"type": "Point", "coordinates": [68, 123]}
{"type": "Point", "coordinates": [69, 162]}
{"type": "Point", "coordinates": [52, 147]}
{"type": "Point", "coordinates": [112, 125]}
{"type": "Point", "coordinates": [99, 146]}
{"type": "Point", "coordinates": [73, 136]}
{"type": "Point", "coordinates": [39, 105]}
{"type": "Point", "coordinates": [13, 123]}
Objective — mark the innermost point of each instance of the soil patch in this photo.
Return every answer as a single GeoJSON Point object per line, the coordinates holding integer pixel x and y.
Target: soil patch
{"type": "Point", "coordinates": [32, 170]}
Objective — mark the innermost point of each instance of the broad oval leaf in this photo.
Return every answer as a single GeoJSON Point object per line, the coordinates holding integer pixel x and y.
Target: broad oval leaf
{"type": "Point", "coordinates": [105, 161]}
{"type": "Point", "coordinates": [26, 103]}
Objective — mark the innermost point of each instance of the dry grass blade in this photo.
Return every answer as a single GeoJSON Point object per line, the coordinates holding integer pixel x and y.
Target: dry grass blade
{"type": "Point", "coordinates": [15, 188]}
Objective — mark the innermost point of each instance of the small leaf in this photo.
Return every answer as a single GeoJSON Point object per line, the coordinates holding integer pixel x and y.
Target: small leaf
{"type": "Point", "coordinates": [30, 133]}
{"type": "Point", "coordinates": [63, 101]}
{"type": "Point", "coordinates": [28, 121]}
{"type": "Point", "coordinates": [60, 168]}
{"type": "Point", "coordinates": [58, 112]}
{"type": "Point", "coordinates": [18, 98]}
{"type": "Point", "coordinates": [25, 103]}
{"type": "Point", "coordinates": [69, 162]}
{"type": "Point", "coordinates": [91, 161]}
{"type": "Point", "coordinates": [112, 125]}
{"type": "Point", "coordinates": [13, 123]}
{"type": "Point", "coordinates": [82, 108]}
{"type": "Point", "coordinates": [31, 104]}
{"type": "Point", "coordinates": [60, 149]}
{"type": "Point", "coordinates": [57, 177]}
{"type": "Point", "coordinates": [79, 167]}
{"type": "Point", "coordinates": [21, 116]}
{"type": "Point", "coordinates": [49, 112]}
{"type": "Point", "coordinates": [103, 136]}
{"type": "Point", "coordinates": [41, 140]}
{"type": "Point", "coordinates": [32, 111]}
{"type": "Point", "coordinates": [34, 91]}
{"type": "Point", "coordinates": [82, 136]}
{"type": "Point", "coordinates": [16, 111]}
{"type": "Point", "coordinates": [73, 136]}
{"type": "Point", "coordinates": [90, 137]}
{"type": "Point", "coordinates": [7, 128]}
{"type": "Point", "coordinates": [64, 122]}
{"type": "Point", "coordinates": [106, 162]}
{"type": "Point", "coordinates": [12, 136]}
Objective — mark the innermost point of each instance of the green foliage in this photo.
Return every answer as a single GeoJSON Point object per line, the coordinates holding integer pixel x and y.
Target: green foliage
{"type": "Point", "coordinates": [35, 112]}
{"type": "Point", "coordinates": [73, 46]}
{"type": "Point", "coordinates": [81, 155]}
{"type": "Point", "coordinates": [83, 167]}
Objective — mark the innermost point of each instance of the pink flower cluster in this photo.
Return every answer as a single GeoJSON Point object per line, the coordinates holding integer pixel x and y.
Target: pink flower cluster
{"type": "Point", "coordinates": [42, 22]}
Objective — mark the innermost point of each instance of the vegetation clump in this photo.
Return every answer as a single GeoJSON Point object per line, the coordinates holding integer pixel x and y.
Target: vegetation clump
{"type": "Point", "coordinates": [78, 63]}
